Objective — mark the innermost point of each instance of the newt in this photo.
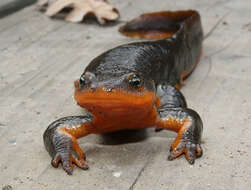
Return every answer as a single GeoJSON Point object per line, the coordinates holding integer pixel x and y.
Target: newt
{"type": "Point", "coordinates": [136, 86]}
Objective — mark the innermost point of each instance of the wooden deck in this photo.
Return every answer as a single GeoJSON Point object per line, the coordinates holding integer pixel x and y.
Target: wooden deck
{"type": "Point", "coordinates": [41, 57]}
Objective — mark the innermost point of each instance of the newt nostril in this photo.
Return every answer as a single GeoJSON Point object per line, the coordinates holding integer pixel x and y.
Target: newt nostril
{"type": "Point", "coordinates": [92, 89]}
{"type": "Point", "coordinates": [108, 89]}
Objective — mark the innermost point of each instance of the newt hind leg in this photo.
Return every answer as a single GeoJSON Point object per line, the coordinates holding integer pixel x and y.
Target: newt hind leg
{"type": "Point", "coordinates": [174, 115]}
{"type": "Point", "coordinates": [60, 140]}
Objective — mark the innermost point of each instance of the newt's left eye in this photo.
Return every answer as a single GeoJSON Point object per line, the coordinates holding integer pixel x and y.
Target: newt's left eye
{"type": "Point", "coordinates": [82, 80]}
{"type": "Point", "coordinates": [135, 81]}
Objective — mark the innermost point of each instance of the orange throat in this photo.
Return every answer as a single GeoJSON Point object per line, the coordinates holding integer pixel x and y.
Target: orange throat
{"type": "Point", "coordinates": [119, 109]}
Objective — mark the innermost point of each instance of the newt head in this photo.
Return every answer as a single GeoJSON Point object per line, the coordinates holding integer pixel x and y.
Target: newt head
{"type": "Point", "coordinates": [117, 96]}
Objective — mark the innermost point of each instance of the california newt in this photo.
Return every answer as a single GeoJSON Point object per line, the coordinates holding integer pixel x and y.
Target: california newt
{"type": "Point", "coordinates": [136, 86]}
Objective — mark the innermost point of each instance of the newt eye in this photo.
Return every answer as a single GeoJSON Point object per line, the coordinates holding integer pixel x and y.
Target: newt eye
{"type": "Point", "coordinates": [82, 80]}
{"type": "Point", "coordinates": [135, 81]}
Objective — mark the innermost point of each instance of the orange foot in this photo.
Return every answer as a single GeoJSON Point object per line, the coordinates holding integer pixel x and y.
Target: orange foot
{"type": "Point", "coordinates": [67, 160]}
{"type": "Point", "coordinates": [191, 150]}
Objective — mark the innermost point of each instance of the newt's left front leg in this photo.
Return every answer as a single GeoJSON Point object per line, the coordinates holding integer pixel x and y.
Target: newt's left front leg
{"type": "Point", "coordinates": [175, 116]}
{"type": "Point", "coordinates": [60, 140]}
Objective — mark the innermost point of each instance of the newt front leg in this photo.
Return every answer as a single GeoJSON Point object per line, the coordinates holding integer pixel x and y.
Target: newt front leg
{"type": "Point", "coordinates": [175, 116]}
{"type": "Point", "coordinates": [60, 140]}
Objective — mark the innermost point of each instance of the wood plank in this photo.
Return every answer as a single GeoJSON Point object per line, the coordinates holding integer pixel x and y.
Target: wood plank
{"type": "Point", "coordinates": [40, 59]}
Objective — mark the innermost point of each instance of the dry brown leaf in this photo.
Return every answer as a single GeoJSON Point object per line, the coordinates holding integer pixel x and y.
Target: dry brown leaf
{"type": "Point", "coordinates": [249, 27]}
{"type": "Point", "coordinates": [100, 8]}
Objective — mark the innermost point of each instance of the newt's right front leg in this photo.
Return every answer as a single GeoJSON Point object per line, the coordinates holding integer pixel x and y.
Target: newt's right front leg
{"type": "Point", "coordinates": [60, 140]}
{"type": "Point", "coordinates": [174, 115]}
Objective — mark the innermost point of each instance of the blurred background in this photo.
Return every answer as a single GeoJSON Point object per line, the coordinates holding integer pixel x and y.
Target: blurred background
{"type": "Point", "coordinates": [8, 7]}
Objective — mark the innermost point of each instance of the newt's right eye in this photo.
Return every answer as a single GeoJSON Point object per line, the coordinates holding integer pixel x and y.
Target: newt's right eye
{"type": "Point", "coordinates": [135, 81]}
{"type": "Point", "coordinates": [82, 80]}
